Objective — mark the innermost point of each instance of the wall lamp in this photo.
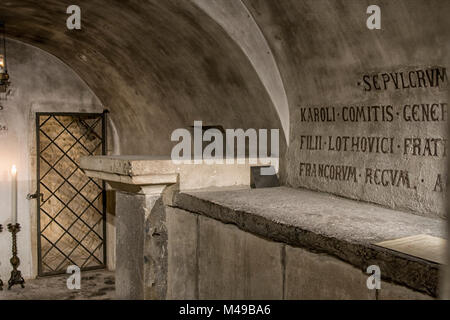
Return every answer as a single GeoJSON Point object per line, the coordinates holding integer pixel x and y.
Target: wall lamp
{"type": "Point", "coordinates": [4, 76]}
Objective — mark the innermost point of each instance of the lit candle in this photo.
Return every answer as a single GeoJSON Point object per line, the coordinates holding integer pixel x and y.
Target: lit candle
{"type": "Point", "coordinates": [2, 64]}
{"type": "Point", "coordinates": [14, 194]}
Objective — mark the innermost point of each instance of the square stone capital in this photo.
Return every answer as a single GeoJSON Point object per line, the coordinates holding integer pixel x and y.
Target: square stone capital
{"type": "Point", "coordinates": [142, 175]}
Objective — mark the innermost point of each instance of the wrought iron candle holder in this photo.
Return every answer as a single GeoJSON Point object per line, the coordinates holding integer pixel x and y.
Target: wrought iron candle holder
{"type": "Point", "coordinates": [16, 275]}
{"type": "Point", "coordinates": [1, 282]}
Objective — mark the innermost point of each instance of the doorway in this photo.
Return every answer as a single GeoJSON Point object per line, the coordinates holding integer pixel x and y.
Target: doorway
{"type": "Point", "coordinates": [71, 207]}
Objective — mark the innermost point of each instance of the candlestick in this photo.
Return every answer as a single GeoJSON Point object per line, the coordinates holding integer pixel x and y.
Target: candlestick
{"type": "Point", "coordinates": [16, 275]}
{"type": "Point", "coordinates": [14, 194]}
{"type": "Point", "coordinates": [1, 282]}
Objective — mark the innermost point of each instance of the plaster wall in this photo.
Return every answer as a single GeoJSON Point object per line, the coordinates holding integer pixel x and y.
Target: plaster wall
{"type": "Point", "coordinates": [40, 83]}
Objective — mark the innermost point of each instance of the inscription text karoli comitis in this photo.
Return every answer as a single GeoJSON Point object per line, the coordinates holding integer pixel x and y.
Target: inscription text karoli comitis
{"type": "Point", "coordinates": [405, 131]}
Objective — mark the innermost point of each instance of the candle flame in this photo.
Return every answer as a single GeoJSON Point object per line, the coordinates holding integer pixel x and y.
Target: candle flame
{"type": "Point", "coordinates": [14, 170]}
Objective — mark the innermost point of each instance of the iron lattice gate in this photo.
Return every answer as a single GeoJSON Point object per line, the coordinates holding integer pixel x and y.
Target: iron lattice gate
{"type": "Point", "coordinates": [72, 209]}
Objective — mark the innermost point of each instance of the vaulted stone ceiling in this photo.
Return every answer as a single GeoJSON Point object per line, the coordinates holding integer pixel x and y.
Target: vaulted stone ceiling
{"type": "Point", "coordinates": [156, 65]}
{"type": "Point", "coordinates": [161, 64]}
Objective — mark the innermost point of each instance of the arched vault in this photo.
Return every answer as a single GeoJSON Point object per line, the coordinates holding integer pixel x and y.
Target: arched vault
{"type": "Point", "coordinates": [161, 65]}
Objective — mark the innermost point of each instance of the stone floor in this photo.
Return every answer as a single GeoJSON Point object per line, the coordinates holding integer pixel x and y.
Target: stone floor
{"type": "Point", "coordinates": [95, 285]}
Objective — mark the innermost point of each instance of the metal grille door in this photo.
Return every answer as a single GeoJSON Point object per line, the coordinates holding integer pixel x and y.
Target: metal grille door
{"type": "Point", "coordinates": [72, 209]}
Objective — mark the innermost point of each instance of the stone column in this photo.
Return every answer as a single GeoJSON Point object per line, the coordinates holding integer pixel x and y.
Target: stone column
{"type": "Point", "coordinates": [141, 233]}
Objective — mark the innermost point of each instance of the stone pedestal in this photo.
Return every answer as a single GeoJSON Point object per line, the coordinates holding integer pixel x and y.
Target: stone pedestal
{"type": "Point", "coordinates": [141, 245]}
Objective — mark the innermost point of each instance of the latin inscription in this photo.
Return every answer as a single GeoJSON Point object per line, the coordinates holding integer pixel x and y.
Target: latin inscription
{"type": "Point", "coordinates": [419, 112]}
{"type": "Point", "coordinates": [329, 172]}
{"type": "Point", "coordinates": [399, 143]}
{"type": "Point", "coordinates": [412, 79]}
{"type": "Point", "coordinates": [385, 177]}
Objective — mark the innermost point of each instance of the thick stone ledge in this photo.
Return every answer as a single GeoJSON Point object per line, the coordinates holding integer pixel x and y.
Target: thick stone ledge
{"type": "Point", "coordinates": [150, 170]}
{"type": "Point", "coordinates": [324, 223]}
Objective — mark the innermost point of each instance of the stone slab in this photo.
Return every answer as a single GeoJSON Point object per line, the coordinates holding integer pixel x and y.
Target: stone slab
{"type": "Point", "coordinates": [155, 248]}
{"type": "Point", "coordinates": [128, 165]}
{"type": "Point", "coordinates": [422, 246]}
{"type": "Point", "coordinates": [237, 265]}
{"type": "Point", "coordinates": [182, 255]}
{"type": "Point", "coordinates": [130, 213]}
{"type": "Point", "coordinates": [311, 276]}
{"type": "Point", "coordinates": [391, 291]}
{"type": "Point", "coordinates": [134, 180]}
{"type": "Point", "coordinates": [141, 247]}
{"type": "Point", "coordinates": [324, 223]}
{"type": "Point", "coordinates": [142, 170]}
